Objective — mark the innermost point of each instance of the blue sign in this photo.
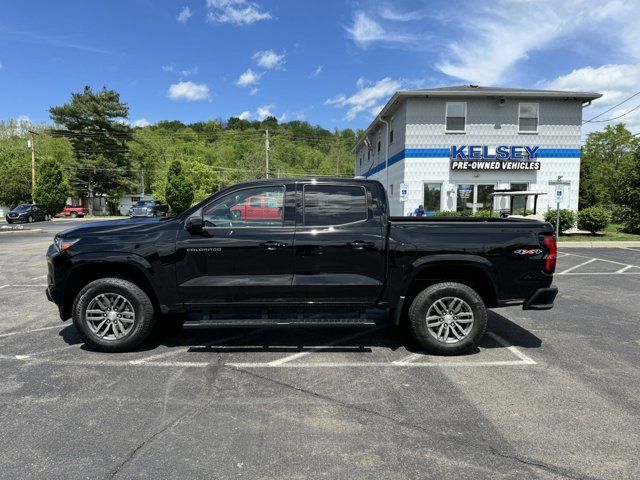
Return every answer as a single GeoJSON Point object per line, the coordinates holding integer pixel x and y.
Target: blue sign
{"type": "Point", "coordinates": [502, 152]}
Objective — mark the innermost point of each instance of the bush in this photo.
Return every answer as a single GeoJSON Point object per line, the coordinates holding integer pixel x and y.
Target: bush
{"type": "Point", "coordinates": [567, 219]}
{"type": "Point", "coordinates": [593, 219]}
{"type": "Point", "coordinates": [179, 192]}
{"type": "Point", "coordinates": [447, 213]}
{"type": "Point", "coordinates": [483, 213]}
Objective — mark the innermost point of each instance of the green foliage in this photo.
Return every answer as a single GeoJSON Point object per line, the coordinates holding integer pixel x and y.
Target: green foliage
{"type": "Point", "coordinates": [447, 213]}
{"type": "Point", "coordinates": [483, 213]}
{"type": "Point", "coordinates": [51, 188]}
{"type": "Point", "coordinates": [594, 219]}
{"type": "Point", "coordinates": [179, 189]}
{"type": "Point", "coordinates": [629, 194]}
{"type": "Point", "coordinates": [15, 170]}
{"type": "Point", "coordinates": [95, 124]}
{"type": "Point", "coordinates": [606, 155]}
{"type": "Point", "coordinates": [567, 219]}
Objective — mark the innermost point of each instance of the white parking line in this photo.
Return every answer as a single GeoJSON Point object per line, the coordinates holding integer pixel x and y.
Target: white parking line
{"type": "Point", "coordinates": [310, 350]}
{"type": "Point", "coordinates": [601, 259]}
{"type": "Point", "coordinates": [577, 266]}
{"type": "Point", "coordinates": [525, 358]}
{"type": "Point", "coordinates": [23, 285]}
{"type": "Point", "coordinates": [624, 269]}
{"type": "Point", "coordinates": [9, 334]}
{"type": "Point", "coordinates": [408, 359]}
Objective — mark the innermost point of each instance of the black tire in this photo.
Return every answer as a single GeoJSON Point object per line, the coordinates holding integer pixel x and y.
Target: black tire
{"type": "Point", "coordinates": [426, 299]}
{"type": "Point", "coordinates": [9, 222]}
{"type": "Point", "coordinates": [73, 214]}
{"type": "Point", "coordinates": [139, 300]}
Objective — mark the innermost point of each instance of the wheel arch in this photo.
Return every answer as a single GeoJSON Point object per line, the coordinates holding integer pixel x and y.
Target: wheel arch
{"type": "Point", "coordinates": [474, 271]}
{"type": "Point", "coordinates": [86, 272]}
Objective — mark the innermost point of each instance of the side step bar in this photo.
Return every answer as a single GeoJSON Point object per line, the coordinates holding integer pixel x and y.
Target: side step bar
{"type": "Point", "coordinates": [279, 319]}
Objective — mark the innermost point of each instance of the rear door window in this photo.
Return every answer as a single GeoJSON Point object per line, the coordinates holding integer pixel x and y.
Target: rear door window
{"type": "Point", "coordinates": [325, 205]}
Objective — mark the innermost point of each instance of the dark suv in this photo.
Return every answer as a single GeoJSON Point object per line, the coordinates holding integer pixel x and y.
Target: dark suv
{"type": "Point", "coordinates": [27, 212]}
{"type": "Point", "coordinates": [149, 208]}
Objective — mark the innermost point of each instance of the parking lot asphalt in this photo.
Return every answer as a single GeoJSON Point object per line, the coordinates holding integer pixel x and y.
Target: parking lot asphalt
{"type": "Point", "coordinates": [552, 394]}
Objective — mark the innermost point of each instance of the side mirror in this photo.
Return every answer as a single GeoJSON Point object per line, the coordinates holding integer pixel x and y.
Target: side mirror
{"type": "Point", "coordinates": [194, 224]}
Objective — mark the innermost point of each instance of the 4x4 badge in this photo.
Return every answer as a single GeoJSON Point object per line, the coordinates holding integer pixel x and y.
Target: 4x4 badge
{"type": "Point", "coordinates": [523, 251]}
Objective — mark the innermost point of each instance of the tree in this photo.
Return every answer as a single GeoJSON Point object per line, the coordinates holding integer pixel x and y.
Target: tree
{"type": "Point", "coordinates": [629, 194]}
{"type": "Point", "coordinates": [51, 188]}
{"type": "Point", "coordinates": [605, 157]}
{"type": "Point", "coordinates": [179, 190]}
{"type": "Point", "coordinates": [15, 172]}
{"type": "Point", "coordinates": [95, 123]}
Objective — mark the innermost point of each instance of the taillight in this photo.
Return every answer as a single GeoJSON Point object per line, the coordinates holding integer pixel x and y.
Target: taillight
{"type": "Point", "coordinates": [552, 253]}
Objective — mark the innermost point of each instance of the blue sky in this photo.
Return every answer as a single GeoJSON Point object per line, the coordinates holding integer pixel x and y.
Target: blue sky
{"type": "Point", "coordinates": [328, 62]}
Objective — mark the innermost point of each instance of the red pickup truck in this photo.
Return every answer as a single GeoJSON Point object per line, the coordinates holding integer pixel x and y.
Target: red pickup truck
{"type": "Point", "coordinates": [73, 212]}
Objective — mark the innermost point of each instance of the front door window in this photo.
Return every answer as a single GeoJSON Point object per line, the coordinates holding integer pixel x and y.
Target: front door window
{"type": "Point", "coordinates": [465, 196]}
{"type": "Point", "coordinates": [484, 199]}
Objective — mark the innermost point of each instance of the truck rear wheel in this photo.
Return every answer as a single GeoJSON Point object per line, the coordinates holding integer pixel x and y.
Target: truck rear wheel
{"type": "Point", "coordinates": [113, 314]}
{"type": "Point", "coordinates": [448, 318]}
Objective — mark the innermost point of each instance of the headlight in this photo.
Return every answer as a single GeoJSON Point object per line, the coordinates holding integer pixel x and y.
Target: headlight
{"type": "Point", "coordinates": [62, 244]}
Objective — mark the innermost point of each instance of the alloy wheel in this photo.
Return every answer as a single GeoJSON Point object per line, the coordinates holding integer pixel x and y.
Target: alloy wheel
{"type": "Point", "coordinates": [110, 316]}
{"type": "Point", "coordinates": [449, 320]}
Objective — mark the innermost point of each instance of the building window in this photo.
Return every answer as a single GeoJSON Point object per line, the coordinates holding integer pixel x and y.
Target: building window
{"type": "Point", "coordinates": [379, 142]}
{"type": "Point", "coordinates": [456, 116]}
{"type": "Point", "coordinates": [528, 117]}
{"type": "Point", "coordinates": [391, 190]}
{"type": "Point", "coordinates": [391, 131]}
{"type": "Point", "coordinates": [432, 197]}
{"type": "Point", "coordinates": [464, 201]}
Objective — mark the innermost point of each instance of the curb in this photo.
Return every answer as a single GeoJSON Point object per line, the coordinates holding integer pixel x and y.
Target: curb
{"type": "Point", "coordinates": [21, 230]}
{"type": "Point", "coordinates": [599, 244]}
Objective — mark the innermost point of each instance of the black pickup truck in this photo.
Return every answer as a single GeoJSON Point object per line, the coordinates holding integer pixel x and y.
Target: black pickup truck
{"type": "Point", "coordinates": [299, 252]}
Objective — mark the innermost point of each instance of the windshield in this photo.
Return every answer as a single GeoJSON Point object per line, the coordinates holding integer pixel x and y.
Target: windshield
{"type": "Point", "coordinates": [22, 207]}
{"type": "Point", "coordinates": [145, 203]}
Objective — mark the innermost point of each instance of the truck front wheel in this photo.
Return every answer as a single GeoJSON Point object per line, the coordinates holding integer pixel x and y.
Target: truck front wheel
{"type": "Point", "coordinates": [448, 318]}
{"type": "Point", "coordinates": [113, 314]}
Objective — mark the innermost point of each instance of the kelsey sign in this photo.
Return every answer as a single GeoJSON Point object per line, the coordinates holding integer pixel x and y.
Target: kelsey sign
{"type": "Point", "coordinates": [503, 157]}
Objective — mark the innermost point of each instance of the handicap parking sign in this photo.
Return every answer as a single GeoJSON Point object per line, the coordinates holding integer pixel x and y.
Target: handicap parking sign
{"type": "Point", "coordinates": [404, 192]}
{"type": "Point", "coordinates": [559, 193]}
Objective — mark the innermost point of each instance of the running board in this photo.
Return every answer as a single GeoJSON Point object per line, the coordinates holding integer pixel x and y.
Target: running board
{"type": "Point", "coordinates": [291, 319]}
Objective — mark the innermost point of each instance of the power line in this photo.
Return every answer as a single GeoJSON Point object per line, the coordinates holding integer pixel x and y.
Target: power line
{"type": "Point", "coordinates": [619, 116]}
{"type": "Point", "coordinates": [609, 109]}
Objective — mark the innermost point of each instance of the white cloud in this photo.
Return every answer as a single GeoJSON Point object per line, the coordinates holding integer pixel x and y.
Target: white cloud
{"type": "Point", "coordinates": [141, 122]}
{"type": "Point", "coordinates": [236, 12]}
{"type": "Point", "coordinates": [248, 78]}
{"type": "Point", "coordinates": [189, 71]}
{"type": "Point", "coordinates": [316, 72]}
{"type": "Point", "coordinates": [616, 82]}
{"type": "Point", "coordinates": [261, 113]}
{"type": "Point", "coordinates": [188, 91]}
{"type": "Point", "coordinates": [390, 13]}
{"type": "Point", "coordinates": [488, 54]}
{"type": "Point", "coordinates": [368, 97]}
{"type": "Point", "coordinates": [167, 68]}
{"type": "Point", "coordinates": [366, 30]}
{"type": "Point", "coordinates": [269, 59]}
{"type": "Point", "coordinates": [184, 15]}
{"type": "Point", "coordinates": [253, 91]}
{"type": "Point", "coordinates": [1, 65]}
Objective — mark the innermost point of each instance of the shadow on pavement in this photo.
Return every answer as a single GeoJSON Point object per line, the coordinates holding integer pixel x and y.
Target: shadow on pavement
{"type": "Point", "coordinates": [297, 339]}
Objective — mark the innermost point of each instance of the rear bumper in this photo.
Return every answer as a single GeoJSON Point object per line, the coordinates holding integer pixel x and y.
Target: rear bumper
{"type": "Point", "coordinates": [541, 299]}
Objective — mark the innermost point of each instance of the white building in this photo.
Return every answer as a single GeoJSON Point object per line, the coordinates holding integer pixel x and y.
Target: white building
{"type": "Point", "coordinates": [452, 147]}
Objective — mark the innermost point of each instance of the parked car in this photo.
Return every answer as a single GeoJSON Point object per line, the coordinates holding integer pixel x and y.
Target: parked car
{"type": "Point", "coordinates": [333, 248]}
{"type": "Point", "coordinates": [27, 212]}
{"type": "Point", "coordinates": [149, 208]}
{"type": "Point", "coordinates": [258, 207]}
{"type": "Point", "coordinates": [73, 212]}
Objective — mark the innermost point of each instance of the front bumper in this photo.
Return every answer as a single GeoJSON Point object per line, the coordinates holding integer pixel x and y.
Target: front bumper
{"type": "Point", "coordinates": [541, 299]}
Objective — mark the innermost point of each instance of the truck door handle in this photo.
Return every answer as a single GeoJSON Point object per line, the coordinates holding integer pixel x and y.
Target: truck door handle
{"type": "Point", "coordinates": [360, 245]}
{"type": "Point", "coordinates": [272, 245]}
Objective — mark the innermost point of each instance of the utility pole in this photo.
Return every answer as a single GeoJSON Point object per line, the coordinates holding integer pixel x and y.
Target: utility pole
{"type": "Point", "coordinates": [266, 151]}
{"type": "Point", "coordinates": [33, 161]}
